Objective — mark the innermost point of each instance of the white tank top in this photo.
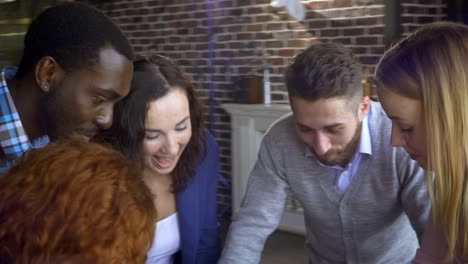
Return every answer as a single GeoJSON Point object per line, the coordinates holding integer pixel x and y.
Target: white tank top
{"type": "Point", "coordinates": [166, 241]}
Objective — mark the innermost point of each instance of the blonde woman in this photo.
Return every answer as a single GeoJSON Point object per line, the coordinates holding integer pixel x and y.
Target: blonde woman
{"type": "Point", "coordinates": [423, 87]}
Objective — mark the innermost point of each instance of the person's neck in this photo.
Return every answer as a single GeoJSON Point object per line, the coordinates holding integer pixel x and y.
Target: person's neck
{"type": "Point", "coordinates": [151, 178]}
{"type": "Point", "coordinates": [159, 185]}
{"type": "Point", "coordinates": [25, 96]}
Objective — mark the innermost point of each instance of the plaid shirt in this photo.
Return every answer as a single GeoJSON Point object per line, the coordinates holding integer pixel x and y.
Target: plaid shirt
{"type": "Point", "coordinates": [13, 139]}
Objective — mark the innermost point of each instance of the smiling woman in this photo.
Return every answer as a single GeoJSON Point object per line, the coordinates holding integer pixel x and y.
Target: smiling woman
{"type": "Point", "coordinates": [160, 125]}
{"type": "Point", "coordinates": [168, 131]}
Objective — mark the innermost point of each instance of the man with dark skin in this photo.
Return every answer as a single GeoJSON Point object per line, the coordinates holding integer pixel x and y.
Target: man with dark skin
{"type": "Point", "coordinates": [75, 66]}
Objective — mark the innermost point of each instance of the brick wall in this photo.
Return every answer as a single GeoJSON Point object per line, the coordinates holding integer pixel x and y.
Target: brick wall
{"type": "Point", "coordinates": [228, 39]}
{"type": "Point", "coordinates": [418, 12]}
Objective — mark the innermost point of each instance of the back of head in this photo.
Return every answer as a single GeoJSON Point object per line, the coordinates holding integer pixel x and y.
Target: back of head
{"type": "Point", "coordinates": [73, 34]}
{"type": "Point", "coordinates": [154, 76]}
{"type": "Point", "coordinates": [74, 201]}
{"type": "Point", "coordinates": [430, 65]}
{"type": "Point", "coordinates": [324, 71]}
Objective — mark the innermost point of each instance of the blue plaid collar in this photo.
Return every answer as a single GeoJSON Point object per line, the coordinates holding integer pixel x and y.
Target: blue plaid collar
{"type": "Point", "coordinates": [13, 139]}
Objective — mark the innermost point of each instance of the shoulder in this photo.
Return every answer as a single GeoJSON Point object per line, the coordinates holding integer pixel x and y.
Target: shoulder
{"type": "Point", "coordinates": [210, 148]}
{"type": "Point", "coordinates": [8, 73]}
{"type": "Point", "coordinates": [378, 115]}
{"type": "Point", "coordinates": [380, 125]}
{"type": "Point", "coordinates": [381, 132]}
{"type": "Point", "coordinates": [210, 141]}
{"type": "Point", "coordinates": [208, 167]}
{"type": "Point", "coordinates": [282, 129]}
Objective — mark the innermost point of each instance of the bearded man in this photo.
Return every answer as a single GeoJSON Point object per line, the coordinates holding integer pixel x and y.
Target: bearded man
{"type": "Point", "coordinates": [364, 201]}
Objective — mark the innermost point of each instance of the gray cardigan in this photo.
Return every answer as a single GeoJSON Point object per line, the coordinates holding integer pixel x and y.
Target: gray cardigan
{"type": "Point", "coordinates": [373, 222]}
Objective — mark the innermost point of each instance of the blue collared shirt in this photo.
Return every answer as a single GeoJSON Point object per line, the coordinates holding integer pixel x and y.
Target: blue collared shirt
{"type": "Point", "coordinates": [13, 139]}
{"type": "Point", "coordinates": [342, 177]}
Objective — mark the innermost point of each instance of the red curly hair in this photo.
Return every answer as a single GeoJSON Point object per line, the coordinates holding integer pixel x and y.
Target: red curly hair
{"type": "Point", "coordinates": [75, 202]}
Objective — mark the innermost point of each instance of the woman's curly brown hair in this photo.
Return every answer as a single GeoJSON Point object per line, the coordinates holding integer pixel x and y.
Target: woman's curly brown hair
{"type": "Point", "coordinates": [76, 202]}
{"type": "Point", "coordinates": [154, 76]}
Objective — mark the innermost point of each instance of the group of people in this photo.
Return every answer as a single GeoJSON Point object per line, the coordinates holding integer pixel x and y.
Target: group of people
{"type": "Point", "coordinates": [104, 157]}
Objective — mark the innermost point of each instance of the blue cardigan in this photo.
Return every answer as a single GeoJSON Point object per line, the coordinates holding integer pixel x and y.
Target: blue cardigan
{"type": "Point", "coordinates": [196, 208]}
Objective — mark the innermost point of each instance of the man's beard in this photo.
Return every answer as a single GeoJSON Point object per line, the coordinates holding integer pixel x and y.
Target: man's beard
{"type": "Point", "coordinates": [343, 155]}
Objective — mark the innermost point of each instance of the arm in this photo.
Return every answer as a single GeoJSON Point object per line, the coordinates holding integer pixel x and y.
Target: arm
{"type": "Point", "coordinates": [209, 247]}
{"type": "Point", "coordinates": [433, 247]}
{"type": "Point", "coordinates": [413, 195]}
{"type": "Point", "coordinates": [261, 209]}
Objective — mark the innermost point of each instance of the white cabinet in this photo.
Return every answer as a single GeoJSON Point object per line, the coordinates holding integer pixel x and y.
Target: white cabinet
{"type": "Point", "coordinates": [248, 123]}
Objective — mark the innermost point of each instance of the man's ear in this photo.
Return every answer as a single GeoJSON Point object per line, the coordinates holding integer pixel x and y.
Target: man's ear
{"type": "Point", "coordinates": [364, 107]}
{"type": "Point", "coordinates": [47, 72]}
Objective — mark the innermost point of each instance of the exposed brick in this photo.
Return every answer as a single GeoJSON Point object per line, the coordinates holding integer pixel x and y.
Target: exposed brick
{"type": "Point", "coordinates": [275, 26]}
{"type": "Point", "coordinates": [242, 29]}
{"type": "Point", "coordinates": [344, 41]}
{"type": "Point", "coordinates": [376, 30]}
{"type": "Point", "coordinates": [304, 34]}
{"type": "Point", "coordinates": [433, 11]}
{"type": "Point", "coordinates": [274, 44]}
{"type": "Point", "coordinates": [275, 61]}
{"type": "Point", "coordinates": [244, 70]}
{"type": "Point", "coordinates": [254, 10]}
{"type": "Point", "coordinates": [358, 50]}
{"type": "Point", "coordinates": [224, 4]}
{"type": "Point", "coordinates": [263, 36]}
{"type": "Point", "coordinates": [224, 37]}
{"type": "Point", "coordinates": [367, 40]}
{"type": "Point", "coordinates": [254, 27]}
{"type": "Point", "coordinates": [262, 18]}
{"type": "Point", "coordinates": [369, 60]}
{"type": "Point", "coordinates": [318, 5]}
{"type": "Point", "coordinates": [203, 46]}
{"type": "Point", "coordinates": [244, 36]}
{"type": "Point", "coordinates": [353, 31]}
{"type": "Point", "coordinates": [286, 52]}
{"type": "Point", "coordinates": [425, 19]}
{"type": "Point", "coordinates": [329, 33]}
{"type": "Point", "coordinates": [246, 53]}
{"type": "Point", "coordinates": [298, 43]}
{"type": "Point", "coordinates": [376, 11]}
{"type": "Point", "coordinates": [295, 25]}
{"type": "Point", "coordinates": [284, 35]}
{"type": "Point", "coordinates": [377, 50]}
{"type": "Point", "coordinates": [220, 45]}
{"type": "Point", "coordinates": [234, 29]}
{"type": "Point", "coordinates": [280, 70]}
{"type": "Point", "coordinates": [198, 30]}
{"type": "Point", "coordinates": [342, 3]}
{"type": "Point", "coordinates": [408, 19]}
{"type": "Point", "coordinates": [317, 23]}
{"type": "Point", "coordinates": [368, 21]}
{"type": "Point", "coordinates": [168, 47]}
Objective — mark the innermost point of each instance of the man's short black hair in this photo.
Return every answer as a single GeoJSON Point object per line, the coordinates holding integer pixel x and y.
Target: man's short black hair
{"type": "Point", "coordinates": [324, 71]}
{"type": "Point", "coordinates": [73, 34]}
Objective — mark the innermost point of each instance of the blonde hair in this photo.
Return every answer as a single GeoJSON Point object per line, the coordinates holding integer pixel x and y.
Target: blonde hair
{"type": "Point", "coordinates": [431, 65]}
